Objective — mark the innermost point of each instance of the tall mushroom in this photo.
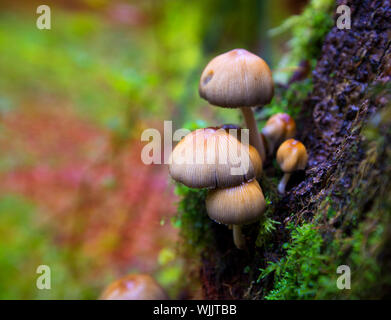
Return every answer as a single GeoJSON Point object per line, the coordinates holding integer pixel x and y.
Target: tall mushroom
{"type": "Point", "coordinates": [134, 287]}
{"type": "Point", "coordinates": [291, 156]}
{"type": "Point", "coordinates": [236, 206]}
{"type": "Point", "coordinates": [239, 79]}
{"type": "Point", "coordinates": [278, 128]}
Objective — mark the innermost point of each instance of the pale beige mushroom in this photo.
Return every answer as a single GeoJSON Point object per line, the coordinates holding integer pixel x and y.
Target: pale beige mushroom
{"type": "Point", "coordinates": [212, 158]}
{"type": "Point", "coordinates": [239, 79]}
{"type": "Point", "coordinates": [236, 206]}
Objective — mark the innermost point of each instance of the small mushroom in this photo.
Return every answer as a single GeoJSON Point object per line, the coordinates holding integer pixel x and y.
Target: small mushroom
{"type": "Point", "coordinates": [205, 158]}
{"type": "Point", "coordinates": [278, 128]}
{"type": "Point", "coordinates": [236, 206]}
{"type": "Point", "coordinates": [134, 287]}
{"type": "Point", "coordinates": [256, 161]}
{"type": "Point", "coordinates": [239, 79]}
{"type": "Point", "coordinates": [291, 156]}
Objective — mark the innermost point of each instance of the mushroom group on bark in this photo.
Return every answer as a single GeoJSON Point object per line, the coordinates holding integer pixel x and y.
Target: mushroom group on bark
{"type": "Point", "coordinates": [233, 199]}
{"type": "Point", "coordinates": [236, 79]}
{"type": "Point", "coordinates": [239, 79]}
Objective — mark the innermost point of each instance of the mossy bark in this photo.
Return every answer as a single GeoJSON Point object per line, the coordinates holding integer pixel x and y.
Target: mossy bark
{"type": "Point", "coordinates": [343, 195]}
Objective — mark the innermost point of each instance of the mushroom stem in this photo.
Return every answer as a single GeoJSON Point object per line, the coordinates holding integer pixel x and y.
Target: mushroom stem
{"type": "Point", "coordinates": [283, 183]}
{"type": "Point", "coordinates": [239, 240]}
{"type": "Point", "coordinates": [255, 138]}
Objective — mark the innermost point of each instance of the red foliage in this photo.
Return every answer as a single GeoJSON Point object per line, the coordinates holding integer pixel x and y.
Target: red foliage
{"type": "Point", "coordinates": [105, 203]}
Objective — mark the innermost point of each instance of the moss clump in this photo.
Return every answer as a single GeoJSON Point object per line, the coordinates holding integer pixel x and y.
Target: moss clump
{"type": "Point", "coordinates": [296, 273]}
{"type": "Point", "coordinates": [286, 100]}
{"type": "Point", "coordinates": [308, 268]}
{"type": "Point", "coordinates": [192, 219]}
{"type": "Point", "coordinates": [308, 31]}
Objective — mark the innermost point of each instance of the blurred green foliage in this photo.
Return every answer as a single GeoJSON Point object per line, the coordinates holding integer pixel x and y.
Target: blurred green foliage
{"type": "Point", "coordinates": [24, 245]}
{"type": "Point", "coordinates": [307, 33]}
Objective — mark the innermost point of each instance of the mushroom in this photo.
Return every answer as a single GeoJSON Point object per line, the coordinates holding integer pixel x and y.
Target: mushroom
{"type": "Point", "coordinates": [236, 206]}
{"type": "Point", "coordinates": [277, 129]}
{"type": "Point", "coordinates": [134, 287]}
{"type": "Point", "coordinates": [206, 158]}
{"type": "Point", "coordinates": [291, 156]}
{"type": "Point", "coordinates": [255, 158]}
{"type": "Point", "coordinates": [239, 79]}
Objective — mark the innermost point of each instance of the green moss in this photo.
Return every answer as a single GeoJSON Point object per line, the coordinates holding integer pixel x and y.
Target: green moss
{"type": "Point", "coordinates": [192, 219]}
{"type": "Point", "coordinates": [308, 31]}
{"type": "Point", "coordinates": [308, 268]}
{"type": "Point", "coordinates": [295, 274]}
{"type": "Point", "coordinates": [355, 232]}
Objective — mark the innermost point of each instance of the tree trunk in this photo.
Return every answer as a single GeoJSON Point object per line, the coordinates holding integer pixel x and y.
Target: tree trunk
{"type": "Point", "coordinates": [343, 195]}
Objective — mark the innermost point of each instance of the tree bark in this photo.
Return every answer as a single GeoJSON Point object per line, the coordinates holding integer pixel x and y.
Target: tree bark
{"type": "Point", "coordinates": [345, 100]}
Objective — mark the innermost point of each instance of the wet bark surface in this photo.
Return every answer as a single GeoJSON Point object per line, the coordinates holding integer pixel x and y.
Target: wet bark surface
{"type": "Point", "coordinates": [353, 63]}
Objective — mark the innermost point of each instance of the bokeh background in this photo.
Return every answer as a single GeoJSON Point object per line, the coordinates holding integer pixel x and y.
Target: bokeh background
{"type": "Point", "coordinates": [74, 194]}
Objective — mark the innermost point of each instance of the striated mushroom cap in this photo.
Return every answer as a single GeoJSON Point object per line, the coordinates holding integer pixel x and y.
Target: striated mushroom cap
{"type": "Point", "coordinates": [277, 129]}
{"type": "Point", "coordinates": [236, 79]}
{"type": "Point", "coordinates": [212, 158]}
{"type": "Point", "coordinates": [255, 158]}
{"type": "Point", "coordinates": [256, 161]}
{"type": "Point", "coordinates": [134, 287]}
{"type": "Point", "coordinates": [292, 155]}
{"type": "Point", "coordinates": [238, 205]}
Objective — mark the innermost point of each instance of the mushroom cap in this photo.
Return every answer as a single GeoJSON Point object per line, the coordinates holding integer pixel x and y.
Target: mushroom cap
{"type": "Point", "coordinates": [134, 287]}
{"type": "Point", "coordinates": [235, 79]}
{"type": "Point", "coordinates": [255, 158]}
{"type": "Point", "coordinates": [292, 155]}
{"type": "Point", "coordinates": [256, 161]}
{"type": "Point", "coordinates": [279, 128]}
{"type": "Point", "coordinates": [208, 158]}
{"type": "Point", "coordinates": [241, 204]}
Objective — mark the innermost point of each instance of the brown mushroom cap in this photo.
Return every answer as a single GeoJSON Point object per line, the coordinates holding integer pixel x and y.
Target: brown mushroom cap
{"type": "Point", "coordinates": [205, 158]}
{"type": "Point", "coordinates": [238, 205]}
{"type": "Point", "coordinates": [256, 161]}
{"type": "Point", "coordinates": [292, 155]}
{"type": "Point", "coordinates": [236, 79]}
{"type": "Point", "coordinates": [278, 128]}
{"type": "Point", "coordinates": [255, 157]}
{"type": "Point", "coordinates": [134, 287]}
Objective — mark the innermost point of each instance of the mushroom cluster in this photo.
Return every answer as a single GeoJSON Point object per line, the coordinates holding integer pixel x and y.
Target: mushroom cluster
{"type": "Point", "coordinates": [207, 158]}
{"type": "Point", "coordinates": [213, 158]}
